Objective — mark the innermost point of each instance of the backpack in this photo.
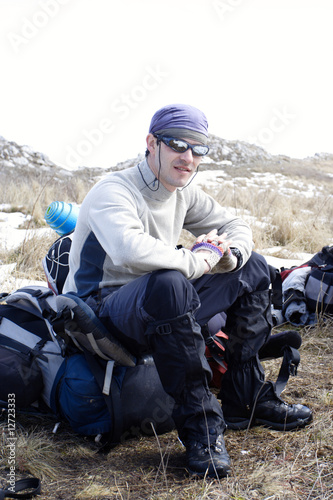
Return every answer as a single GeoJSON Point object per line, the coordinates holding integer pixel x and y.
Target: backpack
{"type": "Point", "coordinates": [30, 353]}
{"type": "Point", "coordinates": [43, 364]}
{"type": "Point", "coordinates": [308, 289]}
{"type": "Point", "coordinates": [319, 285]}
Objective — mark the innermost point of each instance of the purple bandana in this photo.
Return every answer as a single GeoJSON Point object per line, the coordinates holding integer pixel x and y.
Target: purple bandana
{"type": "Point", "coordinates": [180, 120]}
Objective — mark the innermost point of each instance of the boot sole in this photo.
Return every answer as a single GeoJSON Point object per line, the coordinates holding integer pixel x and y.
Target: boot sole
{"type": "Point", "coordinates": [211, 472]}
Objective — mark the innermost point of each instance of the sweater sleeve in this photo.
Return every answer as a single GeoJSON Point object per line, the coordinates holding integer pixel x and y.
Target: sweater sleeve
{"type": "Point", "coordinates": [119, 224]}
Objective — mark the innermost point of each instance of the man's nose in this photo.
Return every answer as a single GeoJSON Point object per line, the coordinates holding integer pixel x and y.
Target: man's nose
{"type": "Point", "coordinates": [187, 155]}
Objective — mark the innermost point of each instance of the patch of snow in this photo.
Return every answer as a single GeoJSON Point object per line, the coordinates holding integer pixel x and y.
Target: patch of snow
{"type": "Point", "coordinates": [12, 220]}
{"type": "Point", "coordinates": [210, 179]}
{"type": "Point", "coordinates": [11, 237]}
{"type": "Point", "coordinates": [290, 260]}
{"type": "Point", "coordinates": [4, 206]}
{"type": "Point", "coordinates": [207, 160]}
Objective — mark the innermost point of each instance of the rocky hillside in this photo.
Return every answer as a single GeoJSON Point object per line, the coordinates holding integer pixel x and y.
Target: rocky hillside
{"type": "Point", "coordinates": [16, 160]}
{"type": "Point", "coordinates": [231, 156]}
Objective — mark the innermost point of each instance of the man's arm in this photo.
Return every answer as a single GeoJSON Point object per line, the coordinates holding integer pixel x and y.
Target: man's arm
{"type": "Point", "coordinates": [206, 215]}
{"type": "Point", "coordinates": [126, 238]}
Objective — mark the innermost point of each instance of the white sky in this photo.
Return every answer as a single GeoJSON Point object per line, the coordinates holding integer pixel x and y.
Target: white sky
{"type": "Point", "coordinates": [80, 79]}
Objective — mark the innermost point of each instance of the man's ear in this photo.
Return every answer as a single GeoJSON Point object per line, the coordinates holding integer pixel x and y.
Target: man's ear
{"type": "Point", "coordinates": [151, 143]}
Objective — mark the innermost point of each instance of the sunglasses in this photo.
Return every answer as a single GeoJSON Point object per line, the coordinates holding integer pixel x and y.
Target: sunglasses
{"type": "Point", "coordinates": [180, 146]}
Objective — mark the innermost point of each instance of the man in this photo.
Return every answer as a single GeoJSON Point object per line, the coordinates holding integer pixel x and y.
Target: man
{"type": "Point", "coordinates": [126, 264]}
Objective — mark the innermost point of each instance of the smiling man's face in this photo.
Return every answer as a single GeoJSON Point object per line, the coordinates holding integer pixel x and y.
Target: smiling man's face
{"type": "Point", "coordinates": [176, 168]}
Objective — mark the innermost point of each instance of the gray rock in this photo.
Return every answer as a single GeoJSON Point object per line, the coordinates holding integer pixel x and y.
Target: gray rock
{"type": "Point", "coordinates": [6, 164]}
{"type": "Point", "coordinates": [21, 161]}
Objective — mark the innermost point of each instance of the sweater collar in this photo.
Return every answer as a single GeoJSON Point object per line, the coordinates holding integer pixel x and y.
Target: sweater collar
{"type": "Point", "coordinates": [151, 187]}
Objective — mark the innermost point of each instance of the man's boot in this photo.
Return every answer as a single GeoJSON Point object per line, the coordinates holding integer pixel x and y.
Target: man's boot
{"type": "Point", "coordinates": [178, 349]}
{"type": "Point", "coordinates": [247, 399]}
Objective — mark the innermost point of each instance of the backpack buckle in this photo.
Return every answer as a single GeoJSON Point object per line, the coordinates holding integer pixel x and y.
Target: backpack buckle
{"type": "Point", "coordinates": [293, 368]}
{"type": "Point", "coordinates": [164, 329]}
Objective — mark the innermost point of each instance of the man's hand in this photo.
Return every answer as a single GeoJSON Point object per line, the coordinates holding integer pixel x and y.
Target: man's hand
{"type": "Point", "coordinates": [215, 249]}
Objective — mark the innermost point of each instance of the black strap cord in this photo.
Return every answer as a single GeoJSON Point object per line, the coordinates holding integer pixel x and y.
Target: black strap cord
{"type": "Point", "coordinates": [276, 280]}
{"type": "Point", "coordinates": [290, 362]}
{"type": "Point", "coordinates": [30, 483]}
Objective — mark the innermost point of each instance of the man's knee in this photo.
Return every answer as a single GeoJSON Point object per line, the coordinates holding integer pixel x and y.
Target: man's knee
{"type": "Point", "coordinates": [256, 272]}
{"type": "Point", "coordinates": [169, 294]}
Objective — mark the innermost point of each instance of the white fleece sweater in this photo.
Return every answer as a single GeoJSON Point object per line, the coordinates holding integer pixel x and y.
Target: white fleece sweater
{"type": "Point", "coordinates": [125, 230]}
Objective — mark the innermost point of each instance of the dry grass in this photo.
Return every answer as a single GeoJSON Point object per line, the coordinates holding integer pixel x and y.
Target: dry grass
{"type": "Point", "coordinates": [266, 464]}
{"type": "Point", "coordinates": [32, 196]}
{"type": "Point", "coordinates": [296, 223]}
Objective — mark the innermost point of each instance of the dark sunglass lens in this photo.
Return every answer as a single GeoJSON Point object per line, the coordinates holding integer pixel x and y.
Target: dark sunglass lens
{"type": "Point", "coordinates": [200, 150]}
{"type": "Point", "coordinates": [178, 145]}
{"type": "Point", "coordinates": [182, 146]}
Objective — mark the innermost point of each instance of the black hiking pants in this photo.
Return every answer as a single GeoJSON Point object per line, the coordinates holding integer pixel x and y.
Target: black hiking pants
{"type": "Point", "coordinates": [161, 313]}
